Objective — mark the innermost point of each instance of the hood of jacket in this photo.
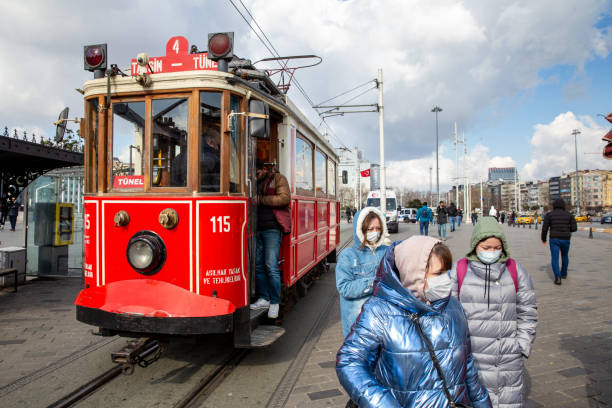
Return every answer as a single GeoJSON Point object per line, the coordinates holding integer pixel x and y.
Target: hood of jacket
{"type": "Point", "coordinates": [487, 227]}
{"type": "Point", "coordinates": [559, 203]}
{"type": "Point", "coordinates": [358, 236]}
{"type": "Point", "coordinates": [388, 285]}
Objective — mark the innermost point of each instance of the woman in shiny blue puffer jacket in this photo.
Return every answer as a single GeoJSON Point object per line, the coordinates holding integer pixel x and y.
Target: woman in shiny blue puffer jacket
{"type": "Point", "coordinates": [384, 361]}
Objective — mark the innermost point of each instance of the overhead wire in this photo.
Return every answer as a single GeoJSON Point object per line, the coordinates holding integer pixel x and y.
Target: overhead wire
{"type": "Point", "coordinates": [344, 93]}
{"type": "Point", "coordinates": [270, 47]}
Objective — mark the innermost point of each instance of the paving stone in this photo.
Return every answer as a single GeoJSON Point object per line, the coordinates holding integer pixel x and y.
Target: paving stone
{"type": "Point", "coordinates": [324, 394]}
{"type": "Point", "coordinates": [573, 372]}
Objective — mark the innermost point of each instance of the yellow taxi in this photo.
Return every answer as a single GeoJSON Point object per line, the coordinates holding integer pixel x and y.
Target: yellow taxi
{"type": "Point", "coordinates": [581, 218]}
{"type": "Point", "coordinates": [526, 219]}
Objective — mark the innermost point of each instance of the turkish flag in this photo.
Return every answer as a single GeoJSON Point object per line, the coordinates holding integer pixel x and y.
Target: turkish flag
{"type": "Point", "coordinates": [609, 117]}
{"type": "Point", "coordinates": [606, 138]}
{"type": "Point", "coordinates": [365, 173]}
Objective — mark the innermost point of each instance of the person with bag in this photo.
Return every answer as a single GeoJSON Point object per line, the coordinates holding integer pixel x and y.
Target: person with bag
{"type": "Point", "coordinates": [499, 300]}
{"type": "Point", "coordinates": [561, 224]}
{"type": "Point", "coordinates": [452, 216]}
{"type": "Point", "coordinates": [442, 213]}
{"type": "Point", "coordinates": [410, 345]}
{"type": "Point", "coordinates": [424, 217]}
{"type": "Point", "coordinates": [273, 220]}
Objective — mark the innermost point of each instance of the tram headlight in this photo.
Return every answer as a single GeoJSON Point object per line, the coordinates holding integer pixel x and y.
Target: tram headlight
{"type": "Point", "coordinates": [146, 252]}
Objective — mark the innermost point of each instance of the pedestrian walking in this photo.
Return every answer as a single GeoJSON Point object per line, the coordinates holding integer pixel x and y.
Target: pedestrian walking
{"type": "Point", "coordinates": [348, 213]}
{"type": "Point", "coordinates": [424, 217]}
{"type": "Point", "coordinates": [459, 217]}
{"type": "Point", "coordinates": [503, 217]}
{"type": "Point", "coordinates": [493, 213]}
{"type": "Point", "coordinates": [499, 300]}
{"type": "Point", "coordinates": [561, 224]}
{"type": "Point", "coordinates": [452, 216]}
{"type": "Point", "coordinates": [3, 212]}
{"type": "Point", "coordinates": [474, 217]}
{"type": "Point", "coordinates": [273, 220]}
{"type": "Point", "coordinates": [13, 212]}
{"type": "Point", "coordinates": [357, 264]}
{"type": "Point", "coordinates": [386, 361]}
{"type": "Point", "coordinates": [442, 220]}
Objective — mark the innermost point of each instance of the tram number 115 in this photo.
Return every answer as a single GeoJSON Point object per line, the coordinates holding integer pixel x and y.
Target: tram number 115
{"type": "Point", "coordinates": [222, 222]}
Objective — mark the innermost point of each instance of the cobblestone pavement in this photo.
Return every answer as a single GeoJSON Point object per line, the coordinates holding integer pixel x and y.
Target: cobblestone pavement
{"type": "Point", "coordinates": [571, 362]}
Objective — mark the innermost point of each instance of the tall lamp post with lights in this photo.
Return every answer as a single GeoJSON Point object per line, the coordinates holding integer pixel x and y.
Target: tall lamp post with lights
{"type": "Point", "coordinates": [437, 109]}
{"type": "Point", "coordinates": [576, 132]}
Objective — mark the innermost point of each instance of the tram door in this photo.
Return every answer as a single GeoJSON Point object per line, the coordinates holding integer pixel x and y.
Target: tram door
{"type": "Point", "coordinates": [257, 148]}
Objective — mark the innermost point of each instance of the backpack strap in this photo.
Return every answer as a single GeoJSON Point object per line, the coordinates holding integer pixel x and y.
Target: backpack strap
{"type": "Point", "coordinates": [511, 265]}
{"type": "Point", "coordinates": [462, 265]}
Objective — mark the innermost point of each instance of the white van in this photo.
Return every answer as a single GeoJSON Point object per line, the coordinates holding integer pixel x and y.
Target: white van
{"type": "Point", "coordinates": [391, 210]}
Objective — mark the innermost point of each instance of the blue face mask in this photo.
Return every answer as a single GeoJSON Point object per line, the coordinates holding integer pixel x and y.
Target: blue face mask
{"type": "Point", "coordinates": [489, 257]}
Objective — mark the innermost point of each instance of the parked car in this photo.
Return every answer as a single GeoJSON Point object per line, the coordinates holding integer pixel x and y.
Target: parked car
{"type": "Point", "coordinates": [526, 219]}
{"type": "Point", "coordinates": [606, 218]}
{"type": "Point", "coordinates": [403, 215]}
{"type": "Point", "coordinates": [412, 212]}
{"type": "Point", "coordinates": [581, 218]}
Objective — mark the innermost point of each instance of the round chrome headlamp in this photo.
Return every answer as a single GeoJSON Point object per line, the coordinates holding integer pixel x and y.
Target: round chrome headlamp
{"type": "Point", "coordinates": [146, 252]}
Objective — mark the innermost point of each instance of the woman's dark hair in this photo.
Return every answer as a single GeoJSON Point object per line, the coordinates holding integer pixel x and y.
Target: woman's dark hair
{"type": "Point", "coordinates": [366, 223]}
{"type": "Point", "coordinates": [446, 258]}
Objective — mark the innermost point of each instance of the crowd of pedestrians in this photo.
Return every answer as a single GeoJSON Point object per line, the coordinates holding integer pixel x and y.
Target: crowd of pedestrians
{"type": "Point", "coordinates": [423, 331]}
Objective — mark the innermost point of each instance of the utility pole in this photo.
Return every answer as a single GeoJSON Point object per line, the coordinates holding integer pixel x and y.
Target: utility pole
{"type": "Point", "coordinates": [430, 203]}
{"type": "Point", "coordinates": [456, 166]}
{"type": "Point", "coordinates": [437, 109]}
{"type": "Point", "coordinates": [381, 125]}
{"type": "Point", "coordinates": [481, 200]}
{"type": "Point", "coordinates": [516, 201]}
{"type": "Point", "coordinates": [466, 205]}
{"type": "Point", "coordinates": [576, 132]}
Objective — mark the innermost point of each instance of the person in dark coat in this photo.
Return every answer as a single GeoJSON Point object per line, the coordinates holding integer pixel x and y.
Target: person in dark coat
{"type": "Point", "coordinates": [442, 219]}
{"type": "Point", "coordinates": [3, 213]}
{"type": "Point", "coordinates": [561, 225]}
{"type": "Point", "coordinates": [211, 160]}
{"type": "Point", "coordinates": [13, 212]}
{"type": "Point", "coordinates": [452, 216]}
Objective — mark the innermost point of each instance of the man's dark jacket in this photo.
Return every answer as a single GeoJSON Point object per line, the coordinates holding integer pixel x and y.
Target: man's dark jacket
{"type": "Point", "coordinates": [452, 210]}
{"type": "Point", "coordinates": [560, 222]}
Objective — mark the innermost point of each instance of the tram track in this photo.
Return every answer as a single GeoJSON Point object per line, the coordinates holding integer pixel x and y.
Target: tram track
{"type": "Point", "coordinates": [214, 371]}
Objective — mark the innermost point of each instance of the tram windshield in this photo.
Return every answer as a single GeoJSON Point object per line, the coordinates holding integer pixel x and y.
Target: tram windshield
{"type": "Point", "coordinates": [170, 124]}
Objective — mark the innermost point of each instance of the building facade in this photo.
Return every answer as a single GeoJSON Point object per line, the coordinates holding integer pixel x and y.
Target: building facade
{"type": "Point", "coordinates": [502, 173]}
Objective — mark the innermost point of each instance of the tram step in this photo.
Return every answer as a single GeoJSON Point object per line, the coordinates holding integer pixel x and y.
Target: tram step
{"type": "Point", "coordinates": [257, 313]}
{"type": "Point", "coordinates": [263, 336]}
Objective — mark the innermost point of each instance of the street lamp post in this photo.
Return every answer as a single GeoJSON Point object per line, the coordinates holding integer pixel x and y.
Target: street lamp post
{"type": "Point", "coordinates": [576, 132]}
{"type": "Point", "coordinates": [437, 109]}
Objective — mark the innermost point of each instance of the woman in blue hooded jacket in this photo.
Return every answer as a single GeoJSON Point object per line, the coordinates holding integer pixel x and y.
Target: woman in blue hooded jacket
{"type": "Point", "coordinates": [385, 362]}
{"type": "Point", "coordinates": [356, 266]}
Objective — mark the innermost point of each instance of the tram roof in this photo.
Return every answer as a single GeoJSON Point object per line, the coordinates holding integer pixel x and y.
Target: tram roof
{"type": "Point", "coordinates": [188, 80]}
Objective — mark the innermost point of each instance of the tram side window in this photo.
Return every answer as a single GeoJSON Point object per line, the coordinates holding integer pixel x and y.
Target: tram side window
{"type": "Point", "coordinates": [303, 165]}
{"type": "Point", "coordinates": [128, 144]}
{"type": "Point", "coordinates": [210, 121]}
{"type": "Point", "coordinates": [170, 124]}
{"type": "Point", "coordinates": [320, 174]}
{"type": "Point", "coordinates": [91, 146]}
{"type": "Point", "coordinates": [331, 178]}
{"type": "Point", "coordinates": [234, 147]}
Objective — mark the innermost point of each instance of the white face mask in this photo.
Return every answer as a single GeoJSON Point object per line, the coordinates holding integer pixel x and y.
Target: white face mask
{"type": "Point", "coordinates": [439, 287]}
{"type": "Point", "coordinates": [489, 257]}
{"type": "Point", "coordinates": [373, 236]}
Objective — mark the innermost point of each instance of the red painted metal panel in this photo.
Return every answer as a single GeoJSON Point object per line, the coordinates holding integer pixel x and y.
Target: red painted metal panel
{"type": "Point", "coordinates": [305, 217]}
{"type": "Point", "coordinates": [332, 213]}
{"type": "Point", "coordinates": [144, 215]}
{"type": "Point", "coordinates": [305, 256]}
{"type": "Point", "coordinates": [322, 214]}
{"type": "Point", "coordinates": [321, 245]}
{"type": "Point", "coordinates": [91, 264]}
{"type": "Point", "coordinates": [221, 266]}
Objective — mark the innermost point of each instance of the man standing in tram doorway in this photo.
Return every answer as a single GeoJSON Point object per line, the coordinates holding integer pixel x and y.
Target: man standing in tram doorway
{"type": "Point", "coordinates": [273, 220]}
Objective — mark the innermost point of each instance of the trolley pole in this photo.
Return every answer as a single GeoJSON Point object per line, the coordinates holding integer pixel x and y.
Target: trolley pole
{"type": "Point", "coordinates": [381, 125]}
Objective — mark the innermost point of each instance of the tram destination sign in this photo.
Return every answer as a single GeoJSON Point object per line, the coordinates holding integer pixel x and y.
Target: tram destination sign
{"type": "Point", "coordinates": [177, 59]}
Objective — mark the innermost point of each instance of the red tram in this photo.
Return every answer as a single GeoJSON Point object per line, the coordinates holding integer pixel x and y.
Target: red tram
{"type": "Point", "coordinates": [170, 156]}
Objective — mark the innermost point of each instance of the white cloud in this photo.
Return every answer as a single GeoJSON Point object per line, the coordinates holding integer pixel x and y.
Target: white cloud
{"type": "Point", "coordinates": [464, 56]}
{"type": "Point", "coordinates": [553, 147]}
